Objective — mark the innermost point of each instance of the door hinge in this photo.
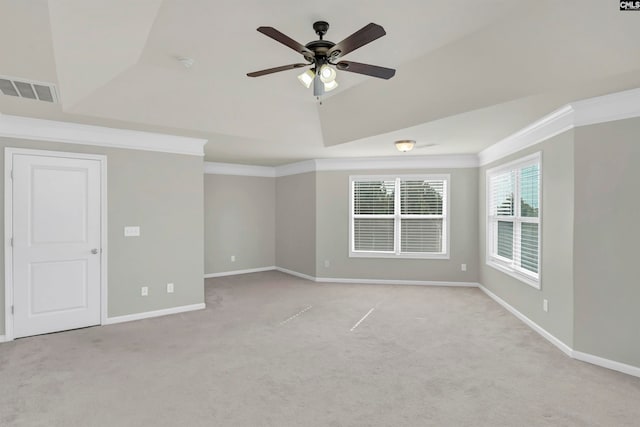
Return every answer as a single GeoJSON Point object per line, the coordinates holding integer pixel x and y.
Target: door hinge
{"type": "Point", "coordinates": [11, 241]}
{"type": "Point", "coordinates": [12, 310]}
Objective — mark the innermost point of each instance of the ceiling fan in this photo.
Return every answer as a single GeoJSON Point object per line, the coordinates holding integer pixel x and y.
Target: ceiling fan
{"type": "Point", "coordinates": [322, 56]}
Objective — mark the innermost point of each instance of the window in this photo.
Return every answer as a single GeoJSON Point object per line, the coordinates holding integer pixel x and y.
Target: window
{"type": "Point", "coordinates": [399, 216]}
{"type": "Point", "coordinates": [513, 223]}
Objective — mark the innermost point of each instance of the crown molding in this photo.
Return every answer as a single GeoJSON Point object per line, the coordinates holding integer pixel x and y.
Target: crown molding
{"type": "Point", "coordinates": [345, 164]}
{"type": "Point", "coordinates": [296, 168]}
{"type": "Point", "coordinates": [600, 109]}
{"type": "Point", "coordinates": [408, 162]}
{"type": "Point", "coordinates": [607, 108]}
{"type": "Point", "coordinates": [74, 133]}
{"type": "Point", "coordinates": [547, 127]}
{"type": "Point", "coordinates": [237, 169]}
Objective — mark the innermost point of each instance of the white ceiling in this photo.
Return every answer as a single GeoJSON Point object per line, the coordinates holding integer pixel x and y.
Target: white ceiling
{"type": "Point", "coordinates": [468, 74]}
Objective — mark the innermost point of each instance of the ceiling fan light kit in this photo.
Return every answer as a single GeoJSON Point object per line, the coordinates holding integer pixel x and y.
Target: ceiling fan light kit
{"type": "Point", "coordinates": [306, 78]}
{"type": "Point", "coordinates": [322, 56]}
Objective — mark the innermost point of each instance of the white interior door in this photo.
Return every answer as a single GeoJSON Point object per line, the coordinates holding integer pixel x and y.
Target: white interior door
{"type": "Point", "coordinates": [56, 243]}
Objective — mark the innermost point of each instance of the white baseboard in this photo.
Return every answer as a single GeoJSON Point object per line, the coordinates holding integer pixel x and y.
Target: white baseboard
{"type": "Point", "coordinates": [396, 282]}
{"type": "Point", "coordinates": [3, 338]}
{"type": "Point", "coordinates": [607, 363]}
{"type": "Point", "coordinates": [295, 273]}
{"type": "Point", "coordinates": [155, 313]}
{"type": "Point", "coordinates": [574, 354]}
{"type": "Point", "coordinates": [234, 272]}
{"type": "Point", "coordinates": [376, 281]}
{"type": "Point", "coordinates": [533, 325]}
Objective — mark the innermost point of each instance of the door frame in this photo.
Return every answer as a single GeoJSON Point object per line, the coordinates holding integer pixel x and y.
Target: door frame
{"type": "Point", "coordinates": [9, 152]}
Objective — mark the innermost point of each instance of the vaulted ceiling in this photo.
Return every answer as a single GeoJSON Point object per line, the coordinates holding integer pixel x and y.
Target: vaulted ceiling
{"type": "Point", "coordinates": [468, 73]}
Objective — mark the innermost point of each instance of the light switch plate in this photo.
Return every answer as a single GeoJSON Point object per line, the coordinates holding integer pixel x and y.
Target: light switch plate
{"type": "Point", "coordinates": [132, 231]}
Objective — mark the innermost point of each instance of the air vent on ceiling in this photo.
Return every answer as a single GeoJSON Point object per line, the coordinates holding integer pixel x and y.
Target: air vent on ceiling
{"type": "Point", "coordinates": [28, 89]}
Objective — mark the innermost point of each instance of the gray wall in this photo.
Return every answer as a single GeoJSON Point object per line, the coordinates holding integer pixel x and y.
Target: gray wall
{"type": "Point", "coordinates": [333, 232]}
{"type": "Point", "coordinates": [296, 223]}
{"type": "Point", "coordinates": [239, 220]}
{"type": "Point", "coordinates": [162, 193]}
{"type": "Point", "coordinates": [607, 208]}
{"type": "Point", "coordinates": [557, 242]}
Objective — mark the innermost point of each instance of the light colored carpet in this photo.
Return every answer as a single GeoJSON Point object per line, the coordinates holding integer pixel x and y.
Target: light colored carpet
{"type": "Point", "coordinates": [425, 356]}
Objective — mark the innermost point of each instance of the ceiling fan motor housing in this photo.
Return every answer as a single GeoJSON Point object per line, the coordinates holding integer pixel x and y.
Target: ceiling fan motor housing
{"type": "Point", "coordinates": [321, 28]}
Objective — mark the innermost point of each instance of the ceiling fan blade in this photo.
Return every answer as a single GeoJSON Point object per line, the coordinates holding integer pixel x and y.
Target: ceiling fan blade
{"type": "Point", "coordinates": [286, 40]}
{"type": "Point", "coordinates": [366, 34]}
{"type": "Point", "coordinates": [275, 70]}
{"type": "Point", "coordinates": [369, 70]}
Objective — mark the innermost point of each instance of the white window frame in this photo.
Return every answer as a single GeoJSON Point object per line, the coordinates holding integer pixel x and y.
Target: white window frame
{"type": "Point", "coordinates": [492, 258]}
{"type": "Point", "coordinates": [397, 216]}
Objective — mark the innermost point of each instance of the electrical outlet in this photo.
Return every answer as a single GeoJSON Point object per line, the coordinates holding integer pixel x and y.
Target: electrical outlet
{"type": "Point", "coordinates": [327, 263]}
{"type": "Point", "coordinates": [132, 231]}
{"type": "Point", "coordinates": [545, 305]}
{"type": "Point", "coordinates": [169, 288]}
{"type": "Point", "coordinates": [144, 291]}
{"type": "Point", "coordinates": [463, 267]}
{"type": "Point", "coordinates": [233, 258]}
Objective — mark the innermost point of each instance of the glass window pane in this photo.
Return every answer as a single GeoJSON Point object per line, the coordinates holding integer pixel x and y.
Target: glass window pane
{"type": "Point", "coordinates": [529, 247]}
{"type": "Point", "coordinates": [373, 197]}
{"type": "Point", "coordinates": [505, 239]}
{"type": "Point", "coordinates": [529, 197]}
{"type": "Point", "coordinates": [502, 191]}
{"type": "Point", "coordinates": [373, 234]}
{"type": "Point", "coordinates": [421, 235]}
{"type": "Point", "coordinates": [421, 197]}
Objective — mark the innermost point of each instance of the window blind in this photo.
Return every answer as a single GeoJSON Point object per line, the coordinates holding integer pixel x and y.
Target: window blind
{"type": "Point", "coordinates": [528, 235]}
{"type": "Point", "coordinates": [513, 227]}
{"type": "Point", "coordinates": [399, 216]}
{"type": "Point", "coordinates": [421, 206]}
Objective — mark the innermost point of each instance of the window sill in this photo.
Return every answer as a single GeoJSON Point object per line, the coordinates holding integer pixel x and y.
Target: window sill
{"type": "Point", "coordinates": [523, 277]}
{"type": "Point", "coordinates": [398, 256]}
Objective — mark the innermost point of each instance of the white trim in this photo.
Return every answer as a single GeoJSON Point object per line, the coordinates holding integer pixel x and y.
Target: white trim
{"type": "Point", "coordinates": [155, 313]}
{"type": "Point", "coordinates": [8, 248]}
{"type": "Point", "coordinates": [295, 273]}
{"type": "Point", "coordinates": [397, 282]}
{"type": "Point", "coordinates": [607, 108]}
{"type": "Point", "coordinates": [377, 281]}
{"type": "Point", "coordinates": [547, 127]}
{"type": "Point", "coordinates": [235, 272]}
{"type": "Point", "coordinates": [607, 363]}
{"type": "Point", "coordinates": [296, 168]}
{"type": "Point", "coordinates": [533, 325]}
{"type": "Point", "coordinates": [9, 152]}
{"type": "Point", "coordinates": [74, 133]}
{"type": "Point", "coordinates": [453, 161]}
{"type": "Point", "coordinates": [574, 354]}
{"type": "Point", "coordinates": [346, 164]}
{"type": "Point", "coordinates": [600, 109]}
{"type": "Point", "coordinates": [3, 338]}
{"type": "Point", "coordinates": [237, 169]}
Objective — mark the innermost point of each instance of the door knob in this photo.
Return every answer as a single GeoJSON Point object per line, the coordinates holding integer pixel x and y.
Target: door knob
{"type": "Point", "coordinates": [94, 251]}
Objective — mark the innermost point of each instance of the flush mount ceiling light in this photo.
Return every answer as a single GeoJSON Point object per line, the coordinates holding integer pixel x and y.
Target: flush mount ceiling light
{"type": "Point", "coordinates": [185, 61]}
{"type": "Point", "coordinates": [405, 145]}
{"type": "Point", "coordinates": [322, 56]}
